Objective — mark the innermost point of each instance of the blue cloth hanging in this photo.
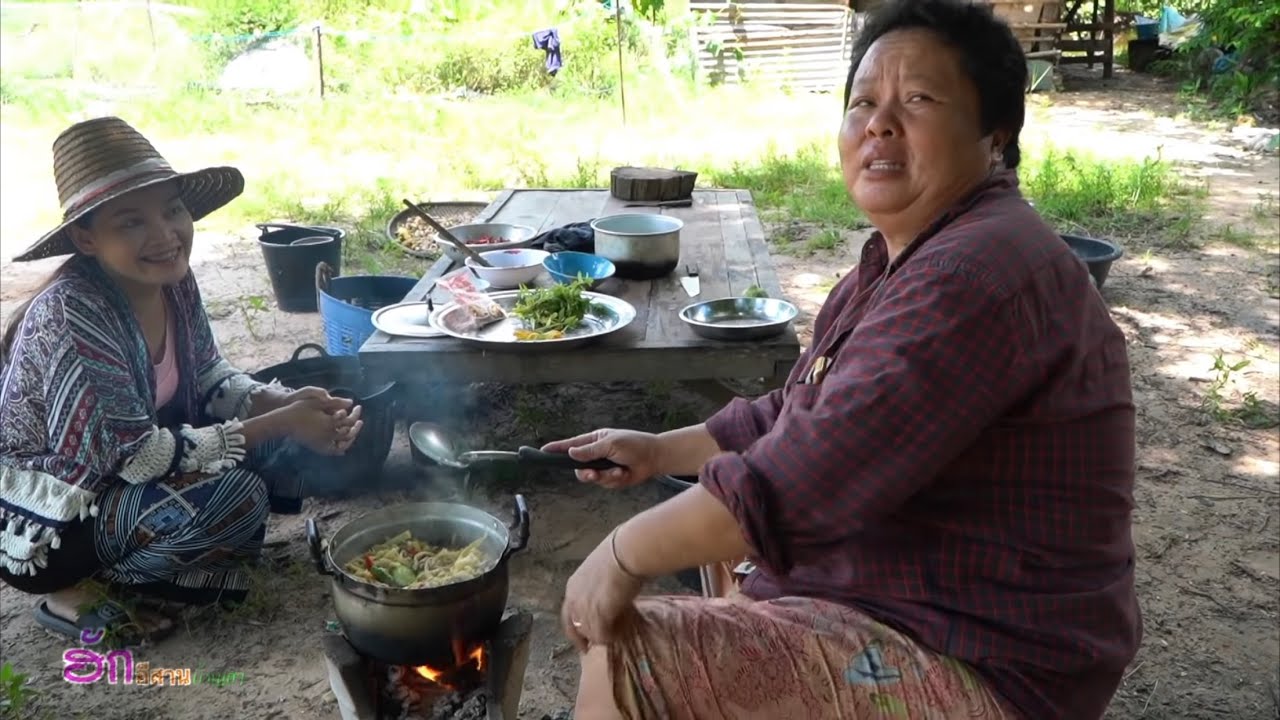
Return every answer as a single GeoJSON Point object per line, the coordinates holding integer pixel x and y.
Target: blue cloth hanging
{"type": "Point", "coordinates": [549, 41]}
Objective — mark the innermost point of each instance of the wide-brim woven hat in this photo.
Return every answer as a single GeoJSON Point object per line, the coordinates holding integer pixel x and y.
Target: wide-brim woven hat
{"type": "Point", "coordinates": [98, 160]}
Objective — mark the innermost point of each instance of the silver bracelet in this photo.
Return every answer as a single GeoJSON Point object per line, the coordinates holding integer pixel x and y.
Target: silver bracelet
{"type": "Point", "coordinates": [613, 545]}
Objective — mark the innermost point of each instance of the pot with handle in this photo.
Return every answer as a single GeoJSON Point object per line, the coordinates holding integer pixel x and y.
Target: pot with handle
{"type": "Point", "coordinates": [423, 626]}
{"type": "Point", "coordinates": [343, 376]}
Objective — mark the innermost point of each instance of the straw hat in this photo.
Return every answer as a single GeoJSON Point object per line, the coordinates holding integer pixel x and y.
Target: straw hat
{"type": "Point", "coordinates": [98, 160]}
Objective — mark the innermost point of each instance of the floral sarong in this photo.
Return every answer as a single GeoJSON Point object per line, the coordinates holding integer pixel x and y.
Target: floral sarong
{"type": "Point", "coordinates": [734, 658]}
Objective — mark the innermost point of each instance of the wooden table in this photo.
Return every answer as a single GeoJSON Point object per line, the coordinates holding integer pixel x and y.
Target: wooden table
{"type": "Point", "coordinates": [722, 236]}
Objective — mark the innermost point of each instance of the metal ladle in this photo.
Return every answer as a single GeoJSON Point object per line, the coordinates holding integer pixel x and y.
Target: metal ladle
{"type": "Point", "coordinates": [433, 442]}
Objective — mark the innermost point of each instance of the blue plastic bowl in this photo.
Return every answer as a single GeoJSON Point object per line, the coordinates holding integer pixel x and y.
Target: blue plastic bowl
{"type": "Point", "coordinates": [1097, 254]}
{"type": "Point", "coordinates": [566, 267]}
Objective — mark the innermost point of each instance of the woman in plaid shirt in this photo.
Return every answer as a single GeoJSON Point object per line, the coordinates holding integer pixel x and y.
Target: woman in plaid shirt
{"type": "Point", "coordinates": [938, 501]}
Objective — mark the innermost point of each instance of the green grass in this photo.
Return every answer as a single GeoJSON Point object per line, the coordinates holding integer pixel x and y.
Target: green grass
{"type": "Point", "coordinates": [804, 186]}
{"type": "Point", "coordinates": [379, 137]}
{"type": "Point", "coordinates": [1075, 191]}
{"type": "Point", "coordinates": [350, 162]}
{"type": "Point", "coordinates": [16, 693]}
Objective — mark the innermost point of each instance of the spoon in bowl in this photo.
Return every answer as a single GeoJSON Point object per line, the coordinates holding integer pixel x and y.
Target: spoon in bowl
{"type": "Point", "coordinates": [444, 233]}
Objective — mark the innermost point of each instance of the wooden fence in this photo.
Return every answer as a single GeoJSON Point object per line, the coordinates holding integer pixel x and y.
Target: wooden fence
{"type": "Point", "coordinates": [801, 45]}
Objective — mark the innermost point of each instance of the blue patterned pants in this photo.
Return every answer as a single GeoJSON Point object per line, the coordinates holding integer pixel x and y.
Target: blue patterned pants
{"type": "Point", "coordinates": [187, 538]}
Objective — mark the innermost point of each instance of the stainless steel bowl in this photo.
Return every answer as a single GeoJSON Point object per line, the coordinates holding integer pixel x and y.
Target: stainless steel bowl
{"type": "Point", "coordinates": [516, 236]}
{"type": "Point", "coordinates": [739, 318]}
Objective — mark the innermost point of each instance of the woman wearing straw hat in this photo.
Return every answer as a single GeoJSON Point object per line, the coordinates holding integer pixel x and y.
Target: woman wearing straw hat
{"type": "Point", "coordinates": [131, 452]}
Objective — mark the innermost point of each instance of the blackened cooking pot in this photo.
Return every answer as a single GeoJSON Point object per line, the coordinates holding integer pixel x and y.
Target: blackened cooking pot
{"type": "Point", "coordinates": [342, 376]}
{"type": "Point", "coordinates": [420, 626]}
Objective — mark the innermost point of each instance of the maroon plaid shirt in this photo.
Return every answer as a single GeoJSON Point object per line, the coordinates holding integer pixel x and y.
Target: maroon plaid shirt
{"type": "Point", "coordinates": [964, 471]}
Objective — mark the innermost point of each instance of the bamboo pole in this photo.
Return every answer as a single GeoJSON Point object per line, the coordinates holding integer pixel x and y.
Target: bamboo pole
{"type": "Point", "coordinates": [622, 83]}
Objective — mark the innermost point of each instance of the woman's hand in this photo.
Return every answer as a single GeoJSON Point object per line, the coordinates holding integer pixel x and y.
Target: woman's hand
{"type": "Point", "coordinates": [637, 452]}
{"type": "Point", "coordinates": [596, 597]}
{"type": "Point", "coordinates": [271, 398]}
{"type": "Point", "coordinates": [326, 425]}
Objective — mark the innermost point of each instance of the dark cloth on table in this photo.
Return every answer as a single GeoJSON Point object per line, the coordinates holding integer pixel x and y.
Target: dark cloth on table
{"type": "Point", "coordinates": [964, 472]}
{"type": "Point", "coordinates": [574, 237]}
{"type": "Point", "coordinates": [549, 41]}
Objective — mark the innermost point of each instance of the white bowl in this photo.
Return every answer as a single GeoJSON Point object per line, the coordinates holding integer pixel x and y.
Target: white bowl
{"type": "Point", "coordinates": [511, 268]}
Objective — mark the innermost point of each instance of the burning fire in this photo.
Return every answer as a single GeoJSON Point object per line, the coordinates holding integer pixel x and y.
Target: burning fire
{"type": "Point", "coordinates": [428, 672]}
{"type": "Point", "coordinates": [474, 658]}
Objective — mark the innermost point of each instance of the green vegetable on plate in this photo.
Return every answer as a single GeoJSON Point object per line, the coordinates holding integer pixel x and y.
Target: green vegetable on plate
{"type": "Point", "coordinates": [559, 308]}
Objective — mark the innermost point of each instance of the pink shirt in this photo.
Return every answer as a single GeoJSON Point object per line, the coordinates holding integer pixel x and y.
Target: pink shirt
{"type": "Point", "coordinates": [166, 371]}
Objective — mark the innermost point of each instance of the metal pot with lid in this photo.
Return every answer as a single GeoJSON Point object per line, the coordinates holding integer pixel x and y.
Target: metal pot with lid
{"type": "Point", "coordinates": [420, 626]}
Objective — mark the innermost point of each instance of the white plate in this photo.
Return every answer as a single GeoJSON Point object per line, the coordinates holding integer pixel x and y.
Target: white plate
{"type": "Point", "coordinates": [609, 314]}
{"type": "Point", "coordinates": [407, 319]}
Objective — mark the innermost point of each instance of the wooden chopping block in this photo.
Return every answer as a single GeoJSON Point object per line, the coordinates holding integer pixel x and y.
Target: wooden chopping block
{"type": "Point", "coordinates": [639, 184]}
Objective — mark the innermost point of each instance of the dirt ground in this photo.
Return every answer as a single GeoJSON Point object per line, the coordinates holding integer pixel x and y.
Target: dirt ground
{"type": "Point", "coordinates": [1208, 494]}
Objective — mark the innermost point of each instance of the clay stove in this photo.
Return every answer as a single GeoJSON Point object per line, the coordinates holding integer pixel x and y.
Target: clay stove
{"type": "Point", "coordinates": [485, 683]}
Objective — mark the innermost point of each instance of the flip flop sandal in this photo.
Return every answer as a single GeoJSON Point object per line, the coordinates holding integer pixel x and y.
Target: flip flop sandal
{"type": "Point", "coordinates": [105, 615]}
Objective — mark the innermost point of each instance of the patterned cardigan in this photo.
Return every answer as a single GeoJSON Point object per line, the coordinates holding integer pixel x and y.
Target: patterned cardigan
{"type": "Point", "coordinates": [77, 408]}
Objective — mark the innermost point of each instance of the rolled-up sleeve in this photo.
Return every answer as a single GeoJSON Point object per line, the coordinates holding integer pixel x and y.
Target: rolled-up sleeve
{"type": "Point", "coordinates": [930, 366]}
{"type": "Point", "coordinates": [744, 421]}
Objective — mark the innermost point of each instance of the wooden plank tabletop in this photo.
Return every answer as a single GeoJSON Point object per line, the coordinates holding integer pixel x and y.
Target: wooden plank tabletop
{"type": "Point", "coordinates": [722, 236]}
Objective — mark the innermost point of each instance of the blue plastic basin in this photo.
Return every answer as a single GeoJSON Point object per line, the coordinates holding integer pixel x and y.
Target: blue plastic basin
{"type": "Point", "coordinates": [566, 267]}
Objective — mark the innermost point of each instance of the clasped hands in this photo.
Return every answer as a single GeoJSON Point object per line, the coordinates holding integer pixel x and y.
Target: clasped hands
{"type": "Point", "coordinates": [315, 419]}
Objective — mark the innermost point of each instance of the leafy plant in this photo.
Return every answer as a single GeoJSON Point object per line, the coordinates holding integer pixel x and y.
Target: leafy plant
{"type": "Point", "coordinates": [485, 68]}
{"type": "Point", "coordinates": [239, 24]}
{"type": "Point", "coordinates": [1235, 59]}
{"type": "Point", "coordinates": [1252, 412]}
{"type": "Point", "coordinates": [15, 691]}
{"type": "Point", "coordinates": [651, 9]}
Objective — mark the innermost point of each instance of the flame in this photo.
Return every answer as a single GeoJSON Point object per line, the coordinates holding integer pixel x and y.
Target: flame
{"type": "Point", "coordinates": [475, 657]}
{"type": "Point", "coordinates": [428, 672]}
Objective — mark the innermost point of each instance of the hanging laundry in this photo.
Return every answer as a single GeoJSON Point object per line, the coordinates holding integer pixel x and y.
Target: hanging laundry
{"type": "Point", "coordinates": [549, 41]}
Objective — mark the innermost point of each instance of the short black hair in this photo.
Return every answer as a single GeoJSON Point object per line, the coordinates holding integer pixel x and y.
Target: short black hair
{"type": "Point", "coordinates": [992, 57]}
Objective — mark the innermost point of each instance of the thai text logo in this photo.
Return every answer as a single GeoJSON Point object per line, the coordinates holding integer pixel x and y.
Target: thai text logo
{"type": "Point", "coordinates": [83, 666]}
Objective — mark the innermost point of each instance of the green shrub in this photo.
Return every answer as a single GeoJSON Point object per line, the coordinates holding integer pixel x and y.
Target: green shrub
{"type": "Point", "coordinates": [488, 68]}
{"type": "Point", "coordinates": [236, 24]}
{"type": "Point", "coordinates": [1247, 30]}
{"type": "Point", "coordinates": [591, 55]}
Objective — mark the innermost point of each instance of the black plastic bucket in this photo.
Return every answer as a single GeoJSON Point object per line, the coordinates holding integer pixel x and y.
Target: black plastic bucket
{"type": "Point", "coordinates": [1097, 255]}
{"type": "Point", "coordinates": [291, 253]}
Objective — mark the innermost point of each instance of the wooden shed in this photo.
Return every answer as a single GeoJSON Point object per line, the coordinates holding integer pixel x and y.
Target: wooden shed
{"type": "Point", "coordinates": [803, 45]}
{"type": "Point", "coordinates": [1064, 32]}
{"type": "Point", "coordinates": [806, 44]}
{"type": "Point", "coordinates": [1037, 24]}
